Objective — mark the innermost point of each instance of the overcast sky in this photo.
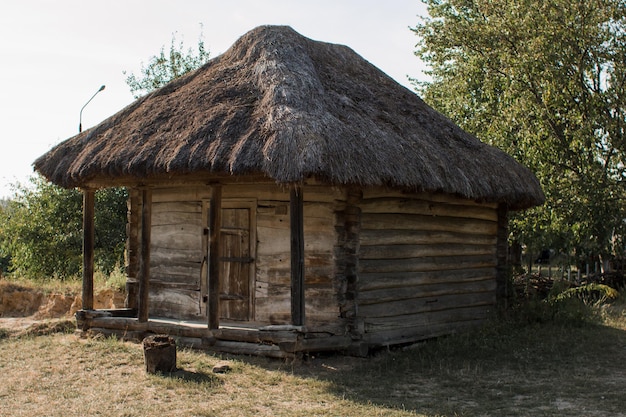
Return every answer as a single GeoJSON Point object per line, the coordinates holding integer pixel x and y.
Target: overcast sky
{"type": "Point", "coordinates": [55, 54]}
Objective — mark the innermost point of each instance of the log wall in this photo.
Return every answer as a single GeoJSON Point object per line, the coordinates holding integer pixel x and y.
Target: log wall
{"type": "Point", "coordinates": [427, 265]}
{"type": "Point", "coordinates": [179, 217]}
{"type": "Point", "coordinates": [176, 258]}
{"type": "Point", "coordinates": [273, 266]}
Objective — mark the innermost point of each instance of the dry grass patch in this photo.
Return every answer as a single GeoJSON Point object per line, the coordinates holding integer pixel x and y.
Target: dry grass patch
{"type": "Point", "coordinates": [63, 375]}
{"type": "Point", "coordinates": [538, 369]}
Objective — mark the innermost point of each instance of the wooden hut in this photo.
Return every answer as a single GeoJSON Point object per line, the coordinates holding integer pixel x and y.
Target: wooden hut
{"type": "Point", "coordinates": [290, 197]}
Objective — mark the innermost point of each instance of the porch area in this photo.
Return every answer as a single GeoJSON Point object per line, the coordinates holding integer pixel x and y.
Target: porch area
{"type": "Point", "coordinates": [249, 338]}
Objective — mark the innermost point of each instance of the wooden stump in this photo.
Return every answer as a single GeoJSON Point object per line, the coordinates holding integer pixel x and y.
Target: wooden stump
{"type": "Point", "coordinates": [159, 352]}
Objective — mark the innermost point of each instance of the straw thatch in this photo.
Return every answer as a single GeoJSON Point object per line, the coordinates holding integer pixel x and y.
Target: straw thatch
{"type": "Point", "coordinates": [287, 107]}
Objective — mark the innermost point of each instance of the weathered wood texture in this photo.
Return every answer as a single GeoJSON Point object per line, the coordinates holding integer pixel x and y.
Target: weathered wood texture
{"type": "Point", "coordinates": [273, 284]}
{"type": "Point", "coordinates": [503, 288]}
{"type": "Point", "coordinates": [296, 222]}
{"type": "Point", "coordinates": [176, 257]}
{"type": "Point", "coordinates": [88, 247]}
{"type": "Point", "coordinates": [144, 265]}
{"type": "Point", "coordinates": [159, 352]}
{"type": "Point", "coordinates": [179, 245]}
{"type": "Point", "coordinates": [132, 252]}
{"type": "Point", "coordinates": [215, 223]}
{"type": "Point", "coordinates": [427, 263]}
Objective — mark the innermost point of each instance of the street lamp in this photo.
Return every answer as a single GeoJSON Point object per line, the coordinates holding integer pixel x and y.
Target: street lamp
{"type": "Point", "coordinates": [80, 121]}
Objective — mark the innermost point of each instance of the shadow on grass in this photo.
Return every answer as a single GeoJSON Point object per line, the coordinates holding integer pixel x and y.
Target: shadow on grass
{"type": "Point", "coordinates": [539, 369]}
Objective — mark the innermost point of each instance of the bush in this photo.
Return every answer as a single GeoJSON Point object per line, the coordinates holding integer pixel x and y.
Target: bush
{"type": "Point", "coordinates": [41, 230]}
{"type": "Point", "coordinates": [541, 300]}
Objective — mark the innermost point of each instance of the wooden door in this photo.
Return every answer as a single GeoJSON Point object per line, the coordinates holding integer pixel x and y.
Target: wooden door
{"type": "Point", "coordinates": [236, 262]}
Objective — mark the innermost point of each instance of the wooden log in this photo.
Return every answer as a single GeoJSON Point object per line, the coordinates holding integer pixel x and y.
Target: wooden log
{"type": "Point", "coordinates": [158, 326]}
{"type": "Point", "coordinates": [133, 226]}
{"type": "Point", "coordinates": [419, 305]}
{"type": "Point", "coordinates": [349, 280]}
{"type": "Point", "coordinates": [427, 208]}
{"type": "Point", "coordinates": [427, 264]}
{"type": "Point", "coordinates": [503, 290]}
{"type": "Point", "coordinates": [163, 255]}
{"type": "Point", "coordinates": [178, 236]}
{"type": "Point", "coordinates": [329, 343]}
{"type": "Point", "coordinates": [430, 290]}
{"type": "Point", "coordinates": [430, 223]}
{"type": "Point", "coordinates": [118, 323]}
{"type": "Point", "coordinates": [161, 285]}
{"type": "Point", "coordinates": [191, 342]}
{"type": "Point", "coordinates": [416, 334]}
{"type": "Point", "coordinates": [297, 256]}
{"type": "Point", "coordinates": [144, 279]}
{"type": "Point", "coordinates": [215, 224]}
{"type": "Point", "coordinates": [176, 209]}
{"type": "Point", "coordinates": [242, 348]}
{"type": "Point", "coordinates": [132, 294]}
{"type": "Point", "coordinates": [374, 281]}
{"type": "Point", "coordinates": [429, 318]}
{"type": "Point", "coordinates": [159, 352]}
{"type": "Point", "coordinates": [273, 337]}
{"type": "Point", "coordinates": [372, 237]}
{"type": "Point", "coordinates": [186, 274]}
{"type": "Point", "coordinates": [88, 247]}
{"type": "Point", "coordinates": [381, 192]}
{"type": "Point", "coordinates": [175, 303]}
{"type": "Point", "coordinates": [426, 250]}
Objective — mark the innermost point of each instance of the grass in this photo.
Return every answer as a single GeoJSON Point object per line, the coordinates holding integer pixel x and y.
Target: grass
{"type": "Point", "coordinates": [512, 368]}
{"type": "Point", "coordinates": [553, 356]}
{"type": "Point", "coordinates": [116, 280]}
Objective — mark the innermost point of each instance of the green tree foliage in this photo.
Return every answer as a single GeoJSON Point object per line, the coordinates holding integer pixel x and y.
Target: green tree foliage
{"type": "Point", "coordinates": [167, 66]}
{"type": "Point", "coordinates": [545, 82]}
{"type": "Point", "coordinates": [41, 227]}
{"type": "Point", "coordinates": [41, 230]}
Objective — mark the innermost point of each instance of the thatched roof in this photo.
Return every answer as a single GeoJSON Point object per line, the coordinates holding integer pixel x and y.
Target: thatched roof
{"type": "Point", "coordinates": [287, 107]}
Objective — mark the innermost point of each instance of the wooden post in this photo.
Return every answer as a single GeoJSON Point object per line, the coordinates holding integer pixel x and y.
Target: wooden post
{"type": "Point", "coordinates": [144, 268]}
{"type": "Point", "coordinates": [88, 247]}
{"type": "Point", "coordinates": [502, 258]}
{"type": "Point", "coordinates": [297, 256]}
{"type": "Point", "coordinates": [349, 300]}
{"type": "Point", "coordinates": [215, 225]}
{"type": "Point", "coordinates": [133, 248]}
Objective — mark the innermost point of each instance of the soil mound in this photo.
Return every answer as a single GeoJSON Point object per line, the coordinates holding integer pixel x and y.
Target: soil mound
{"type": "Point", "coordinates": [23, 301]}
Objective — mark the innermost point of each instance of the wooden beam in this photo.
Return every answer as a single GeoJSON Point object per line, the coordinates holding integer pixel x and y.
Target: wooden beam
{"type": "Point", "coordinates": [144, 268]}
{"type": "Point", "coordinates": [297, 256]}
{"type": "Point", "coordinates": [88, 247]}
{"type": "Point", "coordinates": [215, 224]}
{"type": "Point", "coordinates": [503, 285]}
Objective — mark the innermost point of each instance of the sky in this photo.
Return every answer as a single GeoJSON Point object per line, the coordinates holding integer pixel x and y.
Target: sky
{"type": "Point", "coordinates": [55, 55]}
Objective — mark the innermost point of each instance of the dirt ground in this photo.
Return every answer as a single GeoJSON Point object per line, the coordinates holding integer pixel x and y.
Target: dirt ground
{"type": "Point", "coordinates": [24, 308]}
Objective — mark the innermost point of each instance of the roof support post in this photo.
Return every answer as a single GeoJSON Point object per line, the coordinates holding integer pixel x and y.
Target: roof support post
{"type": "Point", "coordinates": [215, 224]}
{"type": "Point", "coordinates": [503, 286]}
{"type": "Point", "coordinates": [88, 246]}
{"type": "Point", "coordinates": [144, 265]}
{"type": "Point", "coordinates": [296, 211]}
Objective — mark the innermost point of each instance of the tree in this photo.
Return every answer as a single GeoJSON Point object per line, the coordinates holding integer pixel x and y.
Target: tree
{"type": "Point", "coordinates": [544, 81]}
{"type": "Point", "coordinates": [163, 68]}
{"type": "Point", "coordinates": [40, 230]}
{"type": "Point", "coordinates": [41, 227]}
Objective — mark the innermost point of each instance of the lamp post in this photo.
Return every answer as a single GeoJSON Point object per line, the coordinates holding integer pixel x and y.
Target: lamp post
{"type": "Point", "coordinates": [80, 121]}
